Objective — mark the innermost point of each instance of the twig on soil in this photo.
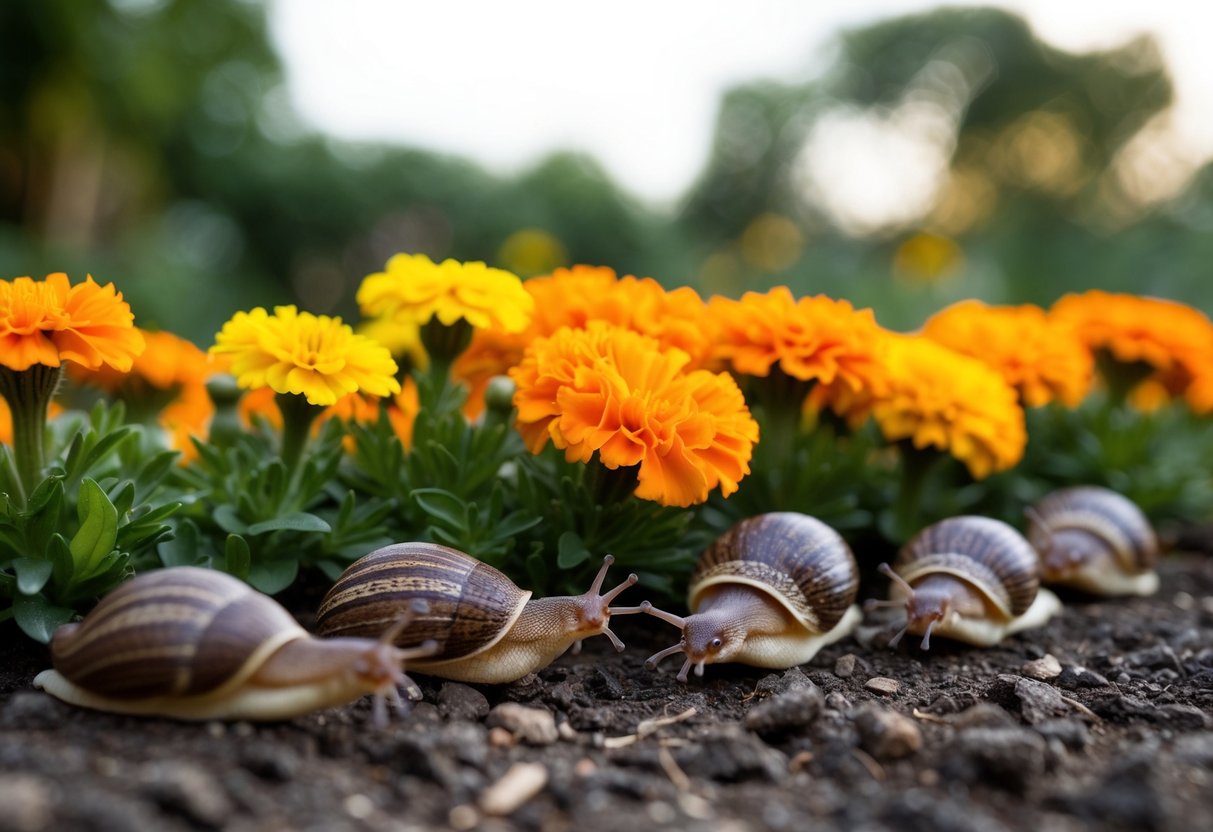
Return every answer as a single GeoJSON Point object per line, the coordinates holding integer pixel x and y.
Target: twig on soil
{"type": "Point", "coordinates": [518, 785]}
{"type": "Point", "coordinates": [874, 768]}
{"type": "Point", "coordinates": [926, 717]}
{"type": "Point", "coordinates": [672, 770]}
{"type": "Point", "coordinates": [647, 727]}
{"type": "Point", "coordinates": [1081, 708]}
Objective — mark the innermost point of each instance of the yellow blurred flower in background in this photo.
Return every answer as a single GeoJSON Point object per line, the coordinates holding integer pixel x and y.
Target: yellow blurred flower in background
{"type": "Point", "coordinates": [1043, 359]}
{"type": "Point", "coordinates": [617, 393]}
{"type": "Point", "coordinates": [941, 399]}
{"type": "Point", "coordinates": [50, 321]}
{"type": "Point", "coordinates": [415, 288]}
{"type": "Point", "coordinates": [295, 352]}
{"type": "Point", "coordinates": [402, 337]}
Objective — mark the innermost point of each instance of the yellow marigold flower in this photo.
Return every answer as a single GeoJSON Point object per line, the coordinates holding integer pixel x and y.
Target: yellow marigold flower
{"type": "Point", "coordinates": [939, 398]}
{"type": "Point", "coordinates": [1161, 333]}
{"type": "Point", "coordinates": [616, 393]}
{"type": "Point", "coordinates": [415, 288]}
{"type": "Point", "coordinates": [51, 321]}
{"type": "Point", "coordinates": [402, 337]}
{"type": "Point", "coordinates": [1036, 355]}
{"type": "Point", "coordinates": [310, 355]}
{"type": "Point", "coordinates": [576, 296]}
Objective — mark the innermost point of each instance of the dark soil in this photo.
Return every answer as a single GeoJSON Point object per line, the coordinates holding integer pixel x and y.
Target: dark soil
{"type": "Point", "coordinates": [1122, 738]}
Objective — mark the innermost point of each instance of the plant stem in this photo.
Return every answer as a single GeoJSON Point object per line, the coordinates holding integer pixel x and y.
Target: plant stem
{"type": "Point", "coordinates": [29, 394]}
{"type": "Point", "coordinates": [297, 417]}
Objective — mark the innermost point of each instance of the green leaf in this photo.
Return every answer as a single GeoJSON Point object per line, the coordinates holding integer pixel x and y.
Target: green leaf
{"type": "Point", "coordinates": [32, 574]}
{"type": "Point", "coordinates": [60, 556]}
{"type": "Point", "coordinates": [98, 527]}
{"type": "Point", "coordinates": [296, 521]}
{"type": "Point", "coordinates": [443, 506]}
{"type": "Point", "coordinates": [237, 557]}
{"type": "Point", "coordinates": [274, 576]}
{"type": "Point", "coordinates": [227, 518]}
{"type": "Point", "coordinates": [38, 618]}
{"type": "Point", "coordinates": [571, 550]}
{"type": "Point", "coordinates": [182, 549]}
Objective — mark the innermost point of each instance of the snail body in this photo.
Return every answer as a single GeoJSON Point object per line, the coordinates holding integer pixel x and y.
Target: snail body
{"type": "Point", "coordinates": [1095, 540]}
{"type": "Point", "coordinates": [488, 629]}
{"type": "Point", "coordinates": [972, 579]}
{"type": "Point", "coordinates": [771, 592]}
{"type": "Point", "coordinates": [193, 643]}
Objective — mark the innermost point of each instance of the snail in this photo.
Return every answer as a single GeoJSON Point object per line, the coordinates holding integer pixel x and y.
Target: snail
{"type": "Point", "coordinates": [1095, 540]}
{"type": "Point", "coordinates": [194, 643]}
{"type": "Point", "coordinates": [973, 579]}
{"type": "Point", "coordinates": [770, 592]}
{"type": "Point", "coordinates": [490, 630]}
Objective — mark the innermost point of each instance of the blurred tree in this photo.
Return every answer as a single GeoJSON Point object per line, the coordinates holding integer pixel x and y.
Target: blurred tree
{"type": "Point", "coordinates": [152, 142]}
{"type": "Point", "coordinates": [1032, 141]}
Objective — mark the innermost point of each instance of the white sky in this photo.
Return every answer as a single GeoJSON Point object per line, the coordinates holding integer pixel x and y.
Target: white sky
{"type": "Point", "coordinates": [636, 84]}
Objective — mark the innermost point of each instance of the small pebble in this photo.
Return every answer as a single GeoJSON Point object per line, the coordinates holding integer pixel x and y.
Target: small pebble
{"type": "Point", "coordinates": [585, 767]}
{"type": "Point", "coordinates": [886, 734]}
{"type": "Point", "coordinates": [838, 702]}
{"type": "Point", "coordinates": [883, 685]}
{"type": "Point", "coordinates": [501, 738]}
{"type": "Point", "coordinates": [518, 785]}
{"type": "Point", "coordinates": [463, 817]}
{"type": "Point", "coordinates": [844, 668]}
{"type": "Point", "coordinates": [534, 726]}
{"type": "Point", "coordinates": [456, 701]}
{"type": "Point", "coordinates": [1043, 668]}
{"type": "Point", "coordinates": [358, 806]}
{"type": "Point", "coordinates": [786, 711]}
{"type": "Point", "coordinates": [1074, 678]}
{"type": "Point", "coordinates": [27, 803]}
{"type": "Point", "coordinates": [1039, 701]}
{"type": "Point", "coordinates": [188, 790]}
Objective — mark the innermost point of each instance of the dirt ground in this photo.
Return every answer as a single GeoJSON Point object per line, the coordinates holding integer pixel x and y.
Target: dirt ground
{"type": "Point", "coordinates": [959, 739]}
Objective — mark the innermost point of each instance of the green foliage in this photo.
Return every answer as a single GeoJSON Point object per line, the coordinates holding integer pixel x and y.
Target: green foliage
{"type": "Point", "coordinates": [96, 517]}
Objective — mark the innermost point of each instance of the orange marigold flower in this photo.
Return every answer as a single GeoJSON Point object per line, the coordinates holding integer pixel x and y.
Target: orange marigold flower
{"type": "Point", "coordinates": [168, 361]}
{"type": "Point", "coordinates": [616, 393]}
{"type": "Point", "coordinates": [1042, 359]}
{"type": "Point", "coordinates": [1167, 335]}
{"type": "Point", "coordinates": [942, 399]}
{"type": "Point", "coordinates": [811, 339]}
{"type": "Point", "coordinates": [51, 321]}
{"type": "Point", "coordinates": [402, 412]}
{"type": "Point", "coordinates": [574, 297]}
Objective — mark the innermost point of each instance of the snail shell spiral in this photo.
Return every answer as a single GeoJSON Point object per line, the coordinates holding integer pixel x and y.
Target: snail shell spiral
{"type": "Point", "coordinates": [985, 553]}
{"type": "Point", "coordinates": [797, 560]}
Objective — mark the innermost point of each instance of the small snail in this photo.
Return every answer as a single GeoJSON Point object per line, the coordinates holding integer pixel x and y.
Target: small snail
{"type": "Point", "coordinates": [194, 643]}
{"type": "Point", "coordinates": [490, 630]}
{"type": "Point", "coordinates": [771, 592]}
{"type": "Point", "coordinates": [1095, 540]}
{"type": "Point", "coordinates": [973, 579]}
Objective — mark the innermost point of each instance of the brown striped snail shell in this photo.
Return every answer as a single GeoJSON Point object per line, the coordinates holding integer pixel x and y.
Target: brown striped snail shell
{"type": "Point", "coordinates": [1096, 540]}
{"type": "Point", "coordinates": [770, 592]}
{"type": "Point", "coordinates": [195, 643]}
{"type": "Point", "coordinates": [973, 579]}
{"type": "Point", "coordinates": [488, 630]}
